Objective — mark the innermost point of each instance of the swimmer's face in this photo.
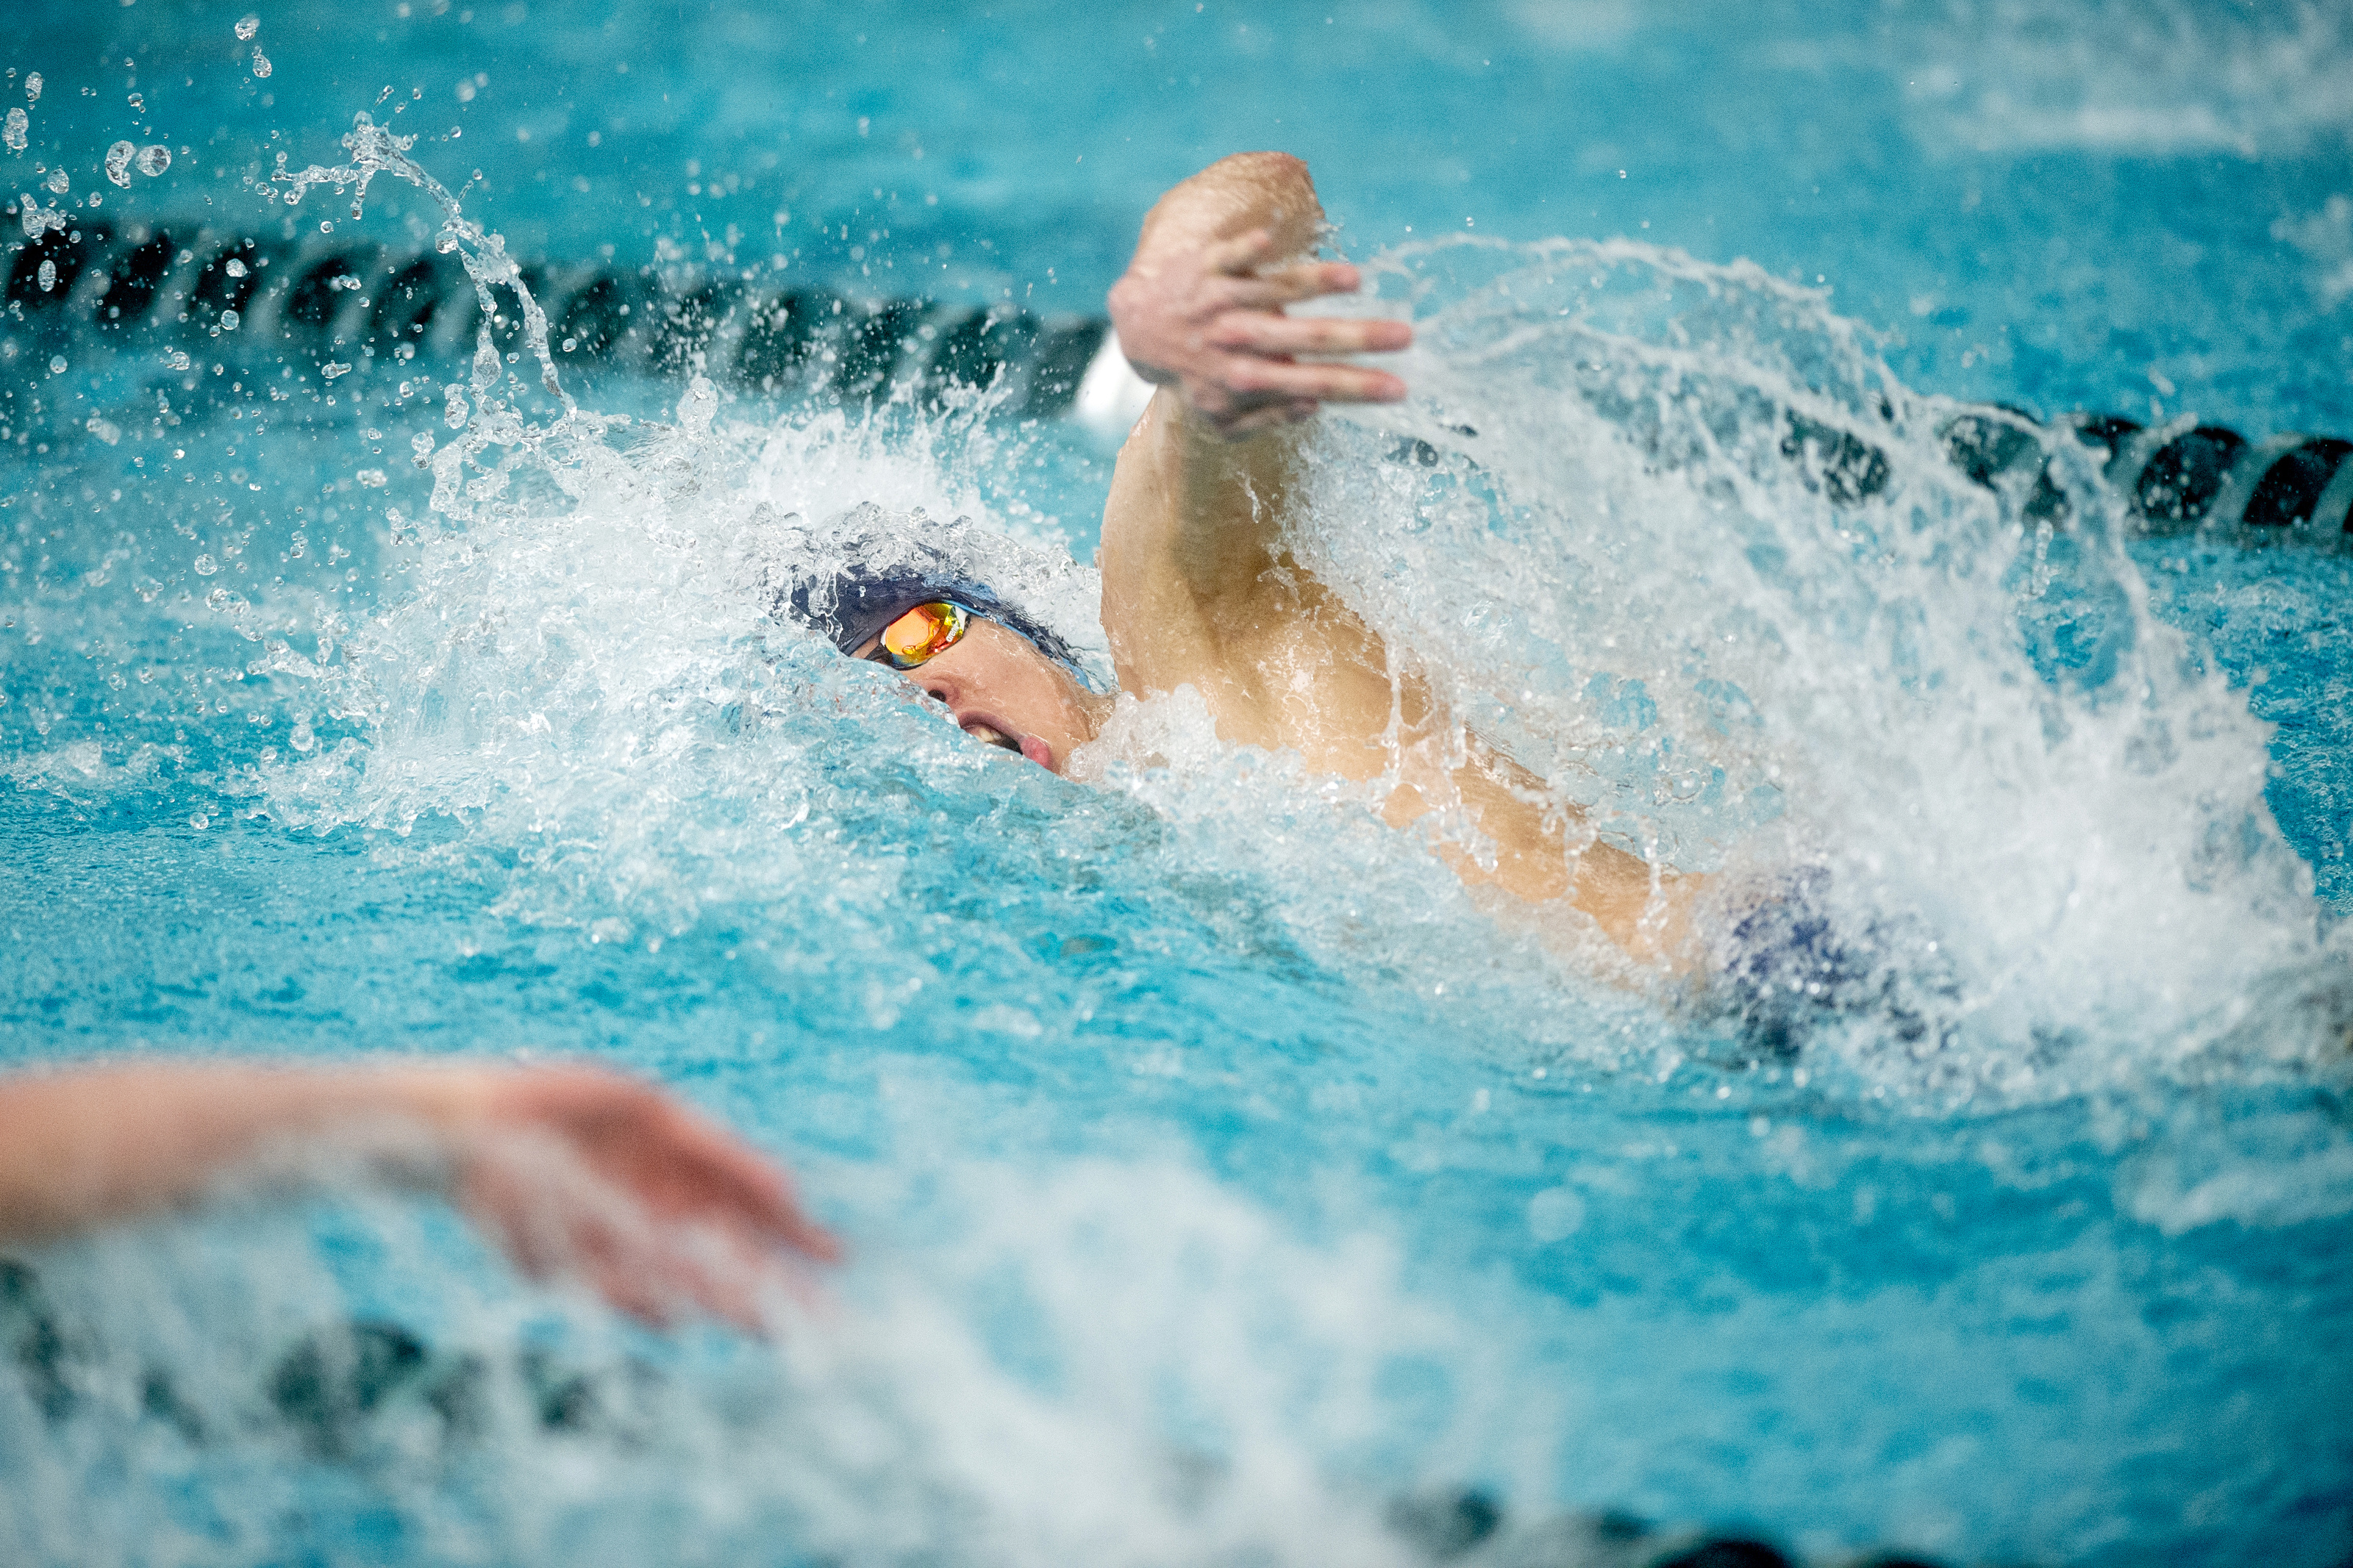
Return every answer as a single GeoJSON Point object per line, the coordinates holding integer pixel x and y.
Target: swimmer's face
{"type": "Point", "coordinates": [1000, 689]}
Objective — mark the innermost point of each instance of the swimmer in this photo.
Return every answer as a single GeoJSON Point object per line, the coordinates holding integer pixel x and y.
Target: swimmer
{"type": "Point", "coordinates": [1199, 588]}
{"type": "Point", "coordinates": [571, 1170]}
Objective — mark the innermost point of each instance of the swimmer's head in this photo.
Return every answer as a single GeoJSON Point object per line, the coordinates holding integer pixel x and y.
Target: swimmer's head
{"type": "Point", "coordinates": [1006, 678]}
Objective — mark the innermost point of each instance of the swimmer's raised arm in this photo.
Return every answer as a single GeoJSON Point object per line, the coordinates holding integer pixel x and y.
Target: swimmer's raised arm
{"type": "Point", "coordinates": [571, 1169]}
{"type": "Point", "coordinates": [1200, 588]}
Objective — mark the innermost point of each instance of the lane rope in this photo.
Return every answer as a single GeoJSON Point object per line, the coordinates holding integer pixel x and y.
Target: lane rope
{"type": "Point", "coordinates": [322, 296]}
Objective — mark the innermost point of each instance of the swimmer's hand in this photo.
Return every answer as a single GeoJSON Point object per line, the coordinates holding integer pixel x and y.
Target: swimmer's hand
{"type": "Point", "coordinates": [1205, 316]}
{"type": "Point", "coordinates": [578, 1171]}
{"type": "Point", "coordinates": [571, 1169]}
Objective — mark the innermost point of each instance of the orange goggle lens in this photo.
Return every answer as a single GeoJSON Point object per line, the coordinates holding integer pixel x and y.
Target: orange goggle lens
{"type": "Point", "coordinates": [923, 634]}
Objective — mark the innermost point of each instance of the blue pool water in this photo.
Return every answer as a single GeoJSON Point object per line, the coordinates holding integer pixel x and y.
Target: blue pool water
{"type": "Point", "coordinates": [1217, 1171]}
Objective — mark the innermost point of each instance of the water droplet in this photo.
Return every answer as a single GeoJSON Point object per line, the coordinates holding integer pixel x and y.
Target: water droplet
{"type": "Point", "coordinates": [457, 411]}
{"type": "Point", "coordinates": [219, 599]}
{"type": "Point", "coordinates": [105, 429]}
{"type": "Point", "coordinates": [422, 445]}
{"type": "Point", "coordinates": [47, 274]}
{"type": "Point", "coordinates": [247, 26]}
{"type": "Point", "coordinates": [261, 63]}
{"type": "Point", "coordinates": [230, 319]}
{"type": "Point", "coordinates": [56, 364]}
{"type": "Point", "coordinates": [199, 821]}
{"type": "Point", "coordinates": [33, 88]}
{"type": "Point", "coordinates": [58, 181]}
{"type": "Point", "coordinates": [154, 159]}
{"type": "Point", "coordinates": [695, 409]}
{"type": "Point", "coordinates": [118, 162]}
{"type": "Point", "coordinates": [1554, 1215]}
{"type": "Point", "coordinates": [303, 738]}
{"type": "Point", "coordinates": [177, 359]}
{"type": "Point", "coordinates": [370, 478]}
{"type": "Point", "coordinates": [571, 343]}
{"type": "Point", "coordinates": [14, 135]}
{"type": "Point", "coordinates": [329, 371]}
{"type": "Point", "coordinates": [233, 268]}
{"type": "Point", "coordinates": [205, 565]}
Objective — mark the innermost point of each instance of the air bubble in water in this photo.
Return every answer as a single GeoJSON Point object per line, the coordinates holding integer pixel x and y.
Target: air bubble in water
{"type": "Point", "coordinates": [303, 738]}
{"type": "Point", "coordinates": [48, 275]}
{"type": "Point", "coordinates": [155, 159]}
{"type": "Point", "coordinates": [205, 565]}
{"type": "Point", "coordinates": [33, 88]}
{"type": "Point", "coordinates": [261, 63]}
{"type": "Point", "coordinates": [247, 26]}
{"type": "Point", "coordinates": [14, 135]}
{"type": "Point", "coordinates": [229, 319]}
{"type": "Point", "coordinates": [118, 162]}
{"type": "Point", "coordinates": [233, 268]}
{"type": "Point", "coordinates": [199, 821]}
{"type": "Point", "coordinates": [56, 364]}
{"type": "Point", "coordinates": [59, 180]}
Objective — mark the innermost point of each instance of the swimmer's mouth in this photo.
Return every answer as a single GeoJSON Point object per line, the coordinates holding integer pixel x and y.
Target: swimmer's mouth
{"type": "Point", "coordinates": [991, 735]}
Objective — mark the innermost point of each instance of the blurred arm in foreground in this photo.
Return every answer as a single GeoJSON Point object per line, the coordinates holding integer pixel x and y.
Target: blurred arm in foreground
{"type": "Point", "coordinates": [571, 1170]}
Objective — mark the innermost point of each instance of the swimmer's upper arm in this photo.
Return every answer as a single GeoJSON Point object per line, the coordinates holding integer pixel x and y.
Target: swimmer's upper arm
{"type": "Point", "coordinates": [1196, 588]}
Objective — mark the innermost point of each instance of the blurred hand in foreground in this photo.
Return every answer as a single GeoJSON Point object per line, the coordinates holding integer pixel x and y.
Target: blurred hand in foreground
{"type": "Point", "coordinates": [572, 1170]}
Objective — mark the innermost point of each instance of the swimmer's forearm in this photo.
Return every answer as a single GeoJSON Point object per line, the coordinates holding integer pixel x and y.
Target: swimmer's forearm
{"type": "Point", "coordinates": [93, 1145]}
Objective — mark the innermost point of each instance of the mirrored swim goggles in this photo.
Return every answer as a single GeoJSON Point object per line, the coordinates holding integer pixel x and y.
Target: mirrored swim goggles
{"type": "Point", "coordinates": [921, 635]}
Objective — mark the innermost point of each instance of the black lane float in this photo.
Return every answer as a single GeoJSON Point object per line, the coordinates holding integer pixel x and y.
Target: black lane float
{"type": "Point", "coordinates": [318, 296]}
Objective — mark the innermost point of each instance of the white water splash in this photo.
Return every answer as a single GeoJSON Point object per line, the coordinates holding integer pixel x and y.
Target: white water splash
{"type": "Point", "coordinates": [1715, 642]}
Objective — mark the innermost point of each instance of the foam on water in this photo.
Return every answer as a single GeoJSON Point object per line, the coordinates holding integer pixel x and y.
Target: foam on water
{"type": "Point", "coordinates": [994, 1402]}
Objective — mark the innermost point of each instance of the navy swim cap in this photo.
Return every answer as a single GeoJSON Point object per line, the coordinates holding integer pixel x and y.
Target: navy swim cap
{"type": "Point", "coordinates": [885, 574]}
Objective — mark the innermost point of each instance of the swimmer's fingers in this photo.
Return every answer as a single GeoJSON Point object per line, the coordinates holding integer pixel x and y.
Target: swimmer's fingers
{"type": "Point", "coordinates": [1242, 255]}
{"type": "Point", "coordinates": [1254, 380]}
{"type": "Point", "coordinates": [1285, 285]}
{"type": "Point", "coordinates": [554, 1218]}
{"type": "Point", "coordinates": [680, 1164]}
{"type": "Point", "coordinates": [1270, 334]}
